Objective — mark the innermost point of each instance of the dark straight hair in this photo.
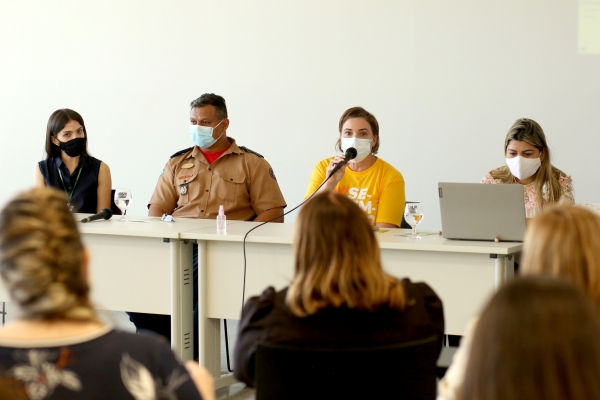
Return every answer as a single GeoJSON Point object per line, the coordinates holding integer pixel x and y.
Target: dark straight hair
{"type": "Point", "coordinates": [538, 338]}
{"type": "Point", "coordinates": [56, 123]}
{"type": "Point", "coordinates": [218, 102]}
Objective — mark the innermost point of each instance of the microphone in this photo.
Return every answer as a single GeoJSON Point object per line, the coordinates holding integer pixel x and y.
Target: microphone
{"type": "Point", "coordinates": [350, 155]}
{"type": "Point", "coordinates": [104, 214]}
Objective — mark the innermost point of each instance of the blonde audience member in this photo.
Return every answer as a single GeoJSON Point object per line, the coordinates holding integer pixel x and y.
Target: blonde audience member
{"type": "Point", "coordinates": [58, 348]}
{"type": "Point", "coordinates": [538, 338]}
{"type": "Point", "coordinates": [340, 297]}
{"type": "Point", "coordinates": [528, 163]}
{"type": "Point", "coordinates": [562, 242]}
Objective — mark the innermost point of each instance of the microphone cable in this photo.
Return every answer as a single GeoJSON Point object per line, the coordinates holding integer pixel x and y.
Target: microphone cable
{"type": "Point", "coordinates": [349, 155]}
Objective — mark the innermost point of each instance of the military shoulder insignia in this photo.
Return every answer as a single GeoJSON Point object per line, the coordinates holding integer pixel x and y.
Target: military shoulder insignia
{"type": "Point", "coordinates": [247, 150]}
{"type": "Point", "coordinates": [272, 173]}
{"type": "Point", "coordinates": [162, 172]}
{"type": "Point", "coordinates": [180, 152]}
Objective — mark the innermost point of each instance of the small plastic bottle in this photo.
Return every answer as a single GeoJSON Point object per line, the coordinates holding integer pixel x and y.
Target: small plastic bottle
{"type": "Point", "coordinates": [221, 221]}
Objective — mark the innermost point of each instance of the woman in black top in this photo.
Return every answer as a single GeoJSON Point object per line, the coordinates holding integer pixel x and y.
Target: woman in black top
{"type": "Point", "coordinates": [340, 296]}
{"type": "Point", "coordinates": [85, 180]}
{"type": "Point", "coordinates": [58, 348]}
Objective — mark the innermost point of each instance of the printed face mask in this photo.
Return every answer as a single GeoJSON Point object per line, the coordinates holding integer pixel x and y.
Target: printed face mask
{"type": "Point", "coordinates": [74, 147]}
{"type": "Point", "coordinates": [362, 146]}
{"type": "Point", "coordinates": [523, 168]}
{"type": "Point", "coordinates": [202, 136]}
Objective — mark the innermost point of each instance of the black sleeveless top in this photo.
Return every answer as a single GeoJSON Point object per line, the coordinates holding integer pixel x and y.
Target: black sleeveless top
{"type": "Point", "coordinates": [85, 195]}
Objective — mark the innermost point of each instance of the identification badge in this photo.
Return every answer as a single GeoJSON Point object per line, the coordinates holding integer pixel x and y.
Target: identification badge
{"type": "Point", "coordinates": [183, 189]}
{"type": "Point", "coordinates": [186, 166]}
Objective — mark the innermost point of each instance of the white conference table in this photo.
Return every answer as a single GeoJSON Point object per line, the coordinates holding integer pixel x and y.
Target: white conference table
{"type": "Point", "coordinates": [145, 265]}
{"type": "Point", "coordinates": [142, 265]}
{"type": "Point", "coordinates": [463, 273]}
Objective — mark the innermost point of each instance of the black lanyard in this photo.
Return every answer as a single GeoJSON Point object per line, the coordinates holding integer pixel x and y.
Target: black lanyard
{"type": "Point", "coordinates": [70, 195]}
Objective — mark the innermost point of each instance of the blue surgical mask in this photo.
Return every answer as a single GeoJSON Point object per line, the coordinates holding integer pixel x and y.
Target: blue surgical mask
{"type": "Point", "coordinates": [202, 136]}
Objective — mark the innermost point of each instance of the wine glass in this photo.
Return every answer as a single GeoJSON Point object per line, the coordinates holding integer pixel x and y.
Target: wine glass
{"type": "Point", "coordinates": [123, 200]}
{"type": "Point", "coordinates": [413, 214]}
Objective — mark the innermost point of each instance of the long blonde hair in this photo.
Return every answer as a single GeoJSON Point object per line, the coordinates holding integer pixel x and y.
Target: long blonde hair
{"type": "Point", "coordinates": [564, 242]}
{"type": "Point", "coordinates": [41, 257]}
{"type": "Point", "coordinates": [338, 261]}
{"type": "Point", "coordinates": [527, 130]}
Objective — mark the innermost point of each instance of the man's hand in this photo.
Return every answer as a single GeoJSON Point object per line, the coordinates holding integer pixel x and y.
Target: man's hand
{"type": "Point", "coordinates": [269, 214]}
{"type": "Point", "coordinates": [157, 211]}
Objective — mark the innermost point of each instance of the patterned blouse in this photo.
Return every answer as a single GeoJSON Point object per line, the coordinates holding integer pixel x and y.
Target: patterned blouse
{"type": "Point", "coordinates": [532, 208]}
{"type": "Point", "coordinates": [106, 364]}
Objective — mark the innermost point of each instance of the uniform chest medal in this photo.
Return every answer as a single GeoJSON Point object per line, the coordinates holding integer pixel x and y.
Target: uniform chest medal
{"type": "Point", "coordinates": [186, 166]}
{"type": "Point", "coordinates": [183, 189]}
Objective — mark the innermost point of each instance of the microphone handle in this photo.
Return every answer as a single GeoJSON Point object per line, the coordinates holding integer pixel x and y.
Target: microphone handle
{"type": "Point", "coordinates": [338, 167]}
{"type": "Point", "coordinates": [104, 214]}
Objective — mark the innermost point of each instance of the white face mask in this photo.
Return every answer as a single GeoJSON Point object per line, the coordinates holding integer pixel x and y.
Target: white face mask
{"type": "Point", "coordinates": [523, 168]}
{"type": "Point", "coordinates": [362, 146]}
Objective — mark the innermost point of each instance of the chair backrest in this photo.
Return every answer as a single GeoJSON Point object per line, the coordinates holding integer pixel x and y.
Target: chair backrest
{"type": "Point", "coordinates": [403, 371]}
{"type": "Point", "coordinates": [404, 224]}
{"type": "Point", "coordinates": [113, 207]}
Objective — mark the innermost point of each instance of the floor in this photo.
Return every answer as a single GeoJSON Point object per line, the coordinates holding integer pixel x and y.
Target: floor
{"type": "Point", "coordinates": [238, 391]}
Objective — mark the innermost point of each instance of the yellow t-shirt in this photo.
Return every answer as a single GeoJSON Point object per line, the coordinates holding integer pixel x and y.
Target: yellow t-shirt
{"type": "Point", "coordinates": [379, 190]}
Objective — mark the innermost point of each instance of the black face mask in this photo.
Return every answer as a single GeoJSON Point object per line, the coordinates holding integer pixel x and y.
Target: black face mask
{"type": "Point", "coordinates": [74, 147]}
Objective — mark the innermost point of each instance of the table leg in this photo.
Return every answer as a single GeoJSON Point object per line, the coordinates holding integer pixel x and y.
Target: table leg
{"type": "Point", "coordinates": [504, 269]}
{"type": "Point", "coordinates": [209, 329]}
{"type": "Point", "coordinates": [182, 312]}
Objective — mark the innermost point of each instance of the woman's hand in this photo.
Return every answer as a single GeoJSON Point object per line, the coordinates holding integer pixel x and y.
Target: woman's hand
{"type": "Point", "coordinates": [203, 380]}
{"type": "Point", "coordinates": [337, 177]}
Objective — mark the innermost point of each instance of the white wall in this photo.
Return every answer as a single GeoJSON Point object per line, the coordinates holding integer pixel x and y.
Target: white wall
{"type": "Point", "coordinates": [446, 79]}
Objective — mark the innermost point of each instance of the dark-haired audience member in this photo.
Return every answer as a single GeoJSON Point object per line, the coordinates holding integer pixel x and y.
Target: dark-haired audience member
{"type": "Point", "coordinates": [68, 166]}
{"type": "Point", "coordinates": [376, 186]}
{"type": "Point", "coordinates": [562, 242]}
{"type": "Point", "coordinates": [536, 339]}
{"type": "Point", "coordinates": [340, 296]}
{"type": "Point", "coordinates": [58, 348]}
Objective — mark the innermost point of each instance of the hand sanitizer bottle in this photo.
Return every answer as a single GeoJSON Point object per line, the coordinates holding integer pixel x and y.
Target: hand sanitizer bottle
{"type": "Point", "coordinates": [221, 221]}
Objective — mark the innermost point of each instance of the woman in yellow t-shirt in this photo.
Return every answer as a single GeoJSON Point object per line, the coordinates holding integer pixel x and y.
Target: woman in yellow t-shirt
{"type": "Point", "coordinates": [376, 186]}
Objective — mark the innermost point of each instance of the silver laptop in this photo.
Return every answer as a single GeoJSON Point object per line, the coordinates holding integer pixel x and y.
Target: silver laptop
{"type": "Point", "coordinates": [478, 211]}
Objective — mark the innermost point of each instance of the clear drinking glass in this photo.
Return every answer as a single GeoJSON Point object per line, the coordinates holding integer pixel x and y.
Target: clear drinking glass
{"type": "Point", "coordinates": [123, 201]}
{"type": "Point", "coordinates": [413, 214]}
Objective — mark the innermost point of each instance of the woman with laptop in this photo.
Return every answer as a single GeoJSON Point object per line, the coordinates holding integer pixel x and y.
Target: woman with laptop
{"type": "Point", "coordinates": [85, 180]}
{"type": "Point", "coordinates": [340, 296]}
{"type": "Point", "coordinates": [528, 163]}
{"type": "Point", "coordinates": [376, 186]}
{"type": "Point", "coordinates": [562, 242]}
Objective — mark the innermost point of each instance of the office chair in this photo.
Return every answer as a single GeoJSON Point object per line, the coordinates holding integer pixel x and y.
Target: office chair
{"type": "Point", "coordinates": [402, 371]}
